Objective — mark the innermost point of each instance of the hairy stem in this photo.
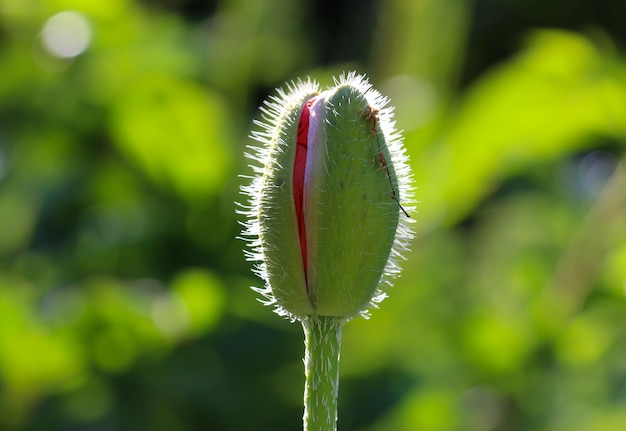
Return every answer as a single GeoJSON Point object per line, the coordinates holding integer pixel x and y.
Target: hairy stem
{"type": "Point", "coordinates": [321, 361]}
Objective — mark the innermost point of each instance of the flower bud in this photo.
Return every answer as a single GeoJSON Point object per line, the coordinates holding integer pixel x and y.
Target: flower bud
{"type": "Point", "coordinates": [326, 215]}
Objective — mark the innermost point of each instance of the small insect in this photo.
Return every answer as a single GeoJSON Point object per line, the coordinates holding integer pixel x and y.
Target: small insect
{"type": "Point", "coordinates": [371, 114]}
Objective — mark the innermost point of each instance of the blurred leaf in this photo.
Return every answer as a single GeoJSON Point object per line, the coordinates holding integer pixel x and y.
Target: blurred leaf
{"type": "Point", "coordinates": [498, 343]}
{"type": "Point", "coordinates": [407, 28]}
{"type": "Point", "coordinates": [251, 42]}
{"type": "Point", "coordinates": [177, 132]}
{"type": "Point", "coordinates": [24, 342]}
{"type": "Point", "coordinates": [202, 294]}
{"type": "Point", "coordinates": [546, 102]}
{"type": "Point", "coordinates": [585, 340]}
{"type": "Point", "coordinates": [430, 409]}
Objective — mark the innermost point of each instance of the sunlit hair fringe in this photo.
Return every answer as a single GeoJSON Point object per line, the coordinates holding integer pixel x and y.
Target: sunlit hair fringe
{"type": "Point", "coordinates": [274, 110]}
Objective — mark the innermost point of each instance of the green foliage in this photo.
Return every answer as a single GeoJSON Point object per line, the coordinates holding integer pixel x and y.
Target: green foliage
{"type": "Point", "coordinates": [124, 300]}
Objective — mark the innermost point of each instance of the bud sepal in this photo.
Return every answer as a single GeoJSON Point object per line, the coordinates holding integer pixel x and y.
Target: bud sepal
{"type": "Point", "coordinates": [328, 213]}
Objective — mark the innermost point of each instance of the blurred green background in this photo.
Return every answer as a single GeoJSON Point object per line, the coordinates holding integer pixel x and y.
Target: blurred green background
{"type": "Point", "coordinates": [124, 295]}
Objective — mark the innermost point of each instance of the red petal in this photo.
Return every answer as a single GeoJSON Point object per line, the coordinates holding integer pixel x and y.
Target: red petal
{"type": "Point", "coordinates": [298, 176]}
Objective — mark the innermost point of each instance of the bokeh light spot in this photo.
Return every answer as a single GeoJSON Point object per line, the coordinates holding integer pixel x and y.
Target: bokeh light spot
{"type": "Point", "coordinates": [66, 34]}
{"type": "Point", "coordinates": [171, 316]}
{"type": "Point", "coordinates": [595, 169]}
{"type": "Point", "coordinates": [203, 297]}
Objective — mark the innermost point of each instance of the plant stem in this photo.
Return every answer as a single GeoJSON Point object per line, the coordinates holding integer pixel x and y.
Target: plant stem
{"type": "Point", "coordinates": [321, 366]}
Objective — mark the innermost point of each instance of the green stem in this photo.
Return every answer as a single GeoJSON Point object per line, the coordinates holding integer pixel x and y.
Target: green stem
{"type": "Point", "coordinates": [321, 366]}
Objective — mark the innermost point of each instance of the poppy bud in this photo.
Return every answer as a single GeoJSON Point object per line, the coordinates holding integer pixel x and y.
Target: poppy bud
{"type": "Point", "coordinates": [326, 216]}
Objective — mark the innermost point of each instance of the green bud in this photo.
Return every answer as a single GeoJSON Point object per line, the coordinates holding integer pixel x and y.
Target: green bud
{"type": "Point", "coordinates": [326, 216]}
